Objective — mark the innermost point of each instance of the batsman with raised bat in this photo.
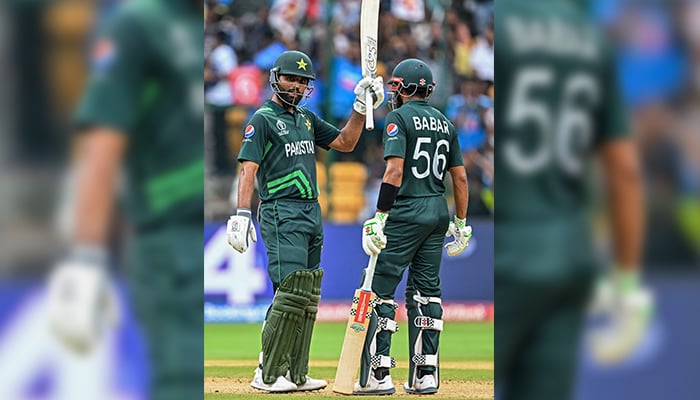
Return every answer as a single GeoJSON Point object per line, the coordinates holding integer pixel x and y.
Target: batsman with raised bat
{"type": "Point", "coordinates": [279, 145]}
{"type": "Point", "coordinates": [410, 225]}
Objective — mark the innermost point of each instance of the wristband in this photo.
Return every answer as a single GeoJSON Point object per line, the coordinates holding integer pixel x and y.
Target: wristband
{"type": "Point", "coordinates": [387, 196]}
{"type": "Point", "coordinates": [244, 212]}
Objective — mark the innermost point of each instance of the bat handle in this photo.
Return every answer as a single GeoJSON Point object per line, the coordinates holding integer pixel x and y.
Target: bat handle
{"type": "Point", "coordinates": [369, 104]}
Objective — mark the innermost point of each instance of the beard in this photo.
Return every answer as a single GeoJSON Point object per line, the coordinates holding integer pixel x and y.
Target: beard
{"type": "Point", "coordinates": [290, 98]}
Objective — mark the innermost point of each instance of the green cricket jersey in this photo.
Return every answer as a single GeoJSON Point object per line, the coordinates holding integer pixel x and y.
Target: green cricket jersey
{"type": "Point", "coordinates": [146, 82]}
{"type": "Point", "coordinates": [557, 101]}
{"type": "Point", "coordinates": [427, 141]}
{"type": "Point", "coordinates": [284, 146]}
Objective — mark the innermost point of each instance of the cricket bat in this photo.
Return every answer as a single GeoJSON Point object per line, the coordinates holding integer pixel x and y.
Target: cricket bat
{"type": "Point", "coordinates": [369, 21]}
{"type": "Point", "coordinates": [355, 333]}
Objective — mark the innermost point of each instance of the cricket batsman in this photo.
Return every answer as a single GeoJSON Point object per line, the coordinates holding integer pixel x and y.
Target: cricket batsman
{"type": "Point", "coordinates": [410, 225]}
{"type": "Point", "coordinates": [279, 146]}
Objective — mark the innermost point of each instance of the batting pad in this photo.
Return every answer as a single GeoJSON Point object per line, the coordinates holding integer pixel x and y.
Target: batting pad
{"type": "Point", "coordinates": [283, 324]}
{"type": "Point", "coordinates": [300, 350]}
{"type": "Point", "coordinates": [424, 327]}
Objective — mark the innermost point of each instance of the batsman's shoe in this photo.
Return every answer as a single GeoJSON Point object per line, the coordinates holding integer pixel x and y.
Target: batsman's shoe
{"type": "Point", "coordinates": [280, 385]}
{"type": "Point", "coordinates": [424, 385]}
{"type": "Point", "coordinates": [310, 384]}
{"type": "Point", "coordinates": [375, 387]}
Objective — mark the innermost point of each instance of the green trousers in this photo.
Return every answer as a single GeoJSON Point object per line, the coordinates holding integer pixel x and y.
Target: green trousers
{"type": "Point", "coordinates": [537, 334]}
{"type": "Point", "coordinates": [166, 290]}
{"type": "Point", "coordinates": [293, 234]}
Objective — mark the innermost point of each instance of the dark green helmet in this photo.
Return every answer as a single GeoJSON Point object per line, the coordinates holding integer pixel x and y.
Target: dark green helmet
{"type": "Point", "coordinates": [294, 63]}
{"type": "Point", "coordinates": [411, 76]}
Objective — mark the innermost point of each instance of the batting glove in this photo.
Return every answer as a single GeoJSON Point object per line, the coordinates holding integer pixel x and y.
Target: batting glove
{"type": "Point", "coordinates": [628, 308]}
{"type": "Point", "coordinates": [376, 86]}
{"type": "Point", "coordinates": [373, 239]}
{"type": "Point", "coordinates": [461, 233]}
{"type": "Point", "coordinates": [240, 230]}
{"type": "Point", "coordinates": [81, 300]}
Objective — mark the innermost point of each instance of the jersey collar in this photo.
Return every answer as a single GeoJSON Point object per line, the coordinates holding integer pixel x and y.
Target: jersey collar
{"type": "Point", "coordinates": [278, 109]}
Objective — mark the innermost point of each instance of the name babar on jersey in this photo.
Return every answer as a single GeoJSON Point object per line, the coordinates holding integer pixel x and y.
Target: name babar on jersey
{"type": "Point", "coordinates": [430, 124]}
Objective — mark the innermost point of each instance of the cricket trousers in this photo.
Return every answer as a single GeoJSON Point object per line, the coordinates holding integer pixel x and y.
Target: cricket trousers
{"type": "Point", "coordinates": [166, 291]}
{"type": "Point", "coordinates": [293, 234]}
{"type": "Point", "coordinates": [415, 233]}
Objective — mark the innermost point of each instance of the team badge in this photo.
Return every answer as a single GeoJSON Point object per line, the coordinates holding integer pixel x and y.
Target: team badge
{"type": "Point", "coordinates": [422, 81]}
{"type": "Point", "coordinates": [103, 54]}
{"type": "Point", "coordinates": [282, 127]}
{"type": "Point", "coordinates": [301, 64]}
{"type": "Point", "coordinates": [249, 132]}
{"type": "Point", "coordinates": [392, 129]}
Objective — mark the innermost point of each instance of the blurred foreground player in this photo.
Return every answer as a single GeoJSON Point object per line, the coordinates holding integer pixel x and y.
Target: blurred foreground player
{"type": "Point", "coordinates": [141, 115]}
{"type": "Point", "coordinates": [558, 108]}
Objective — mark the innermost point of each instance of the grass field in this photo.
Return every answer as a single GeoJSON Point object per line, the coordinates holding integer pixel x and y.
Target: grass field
{"type": "Point", "coordinates": [231, 353]}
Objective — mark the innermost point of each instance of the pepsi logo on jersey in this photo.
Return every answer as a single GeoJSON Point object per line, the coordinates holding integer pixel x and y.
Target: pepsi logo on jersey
{"type": "Point", "coordinates": [249, 131]}
{"type": "Point", "coordinates": [392, 129]}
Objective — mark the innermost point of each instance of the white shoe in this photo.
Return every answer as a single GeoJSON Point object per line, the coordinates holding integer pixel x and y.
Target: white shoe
{"type": "Point", "coordinates": [280, 385]}
{"type": "Point", "coordinates": [374, 386]}
{"type": "Point", "coordinates": [424, 385]}
{"type": "Point", "coordinates": [310, 384]}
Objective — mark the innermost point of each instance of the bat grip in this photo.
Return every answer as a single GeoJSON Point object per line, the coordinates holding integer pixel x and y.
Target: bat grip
{"type": "Point", "coordinates": [369, 272]}
{"type": "Point", "coordinates": [369, 115]}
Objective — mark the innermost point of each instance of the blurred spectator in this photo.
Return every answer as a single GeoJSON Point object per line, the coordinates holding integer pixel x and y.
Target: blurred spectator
{"type": "Point", "coordinates": [219, 97]}
{"type": "Point", "coordinates": [482, 54]}
{"type": "Point", "coordinates": [462, 49]}
{"type": "Point", "coordinates": [467, 111]}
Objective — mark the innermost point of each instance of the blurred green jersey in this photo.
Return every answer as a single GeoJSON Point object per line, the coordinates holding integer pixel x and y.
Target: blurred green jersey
{"type": "Point", "coordinates": [427, 141]}
{"type": "Point", "coordinates": [557, 100]}
{"type": "Point", "coordinates": [284, 146]}
{"type": "Point", "coordinates": [146, 82]}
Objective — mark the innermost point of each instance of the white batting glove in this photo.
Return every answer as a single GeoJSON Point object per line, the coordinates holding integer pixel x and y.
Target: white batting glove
{"type": "Point", "coordinates": [81, 300]}
{"type": "Point", "coordinates": [373, 239]}
{"type": "Point", "coordinates": [376, 86]}
{"type": "Point", "coordinates": [461, 233]}
{"type": "Point", "coordinates": [628, 308]}
{"type": "Point", "coordinates": [240, 230]}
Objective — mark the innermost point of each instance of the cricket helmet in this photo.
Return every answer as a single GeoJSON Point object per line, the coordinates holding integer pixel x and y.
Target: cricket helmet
{"type": "Point", "coordinates": [409, 77]}
{"type": "Point", "coordinates": [294, 63]}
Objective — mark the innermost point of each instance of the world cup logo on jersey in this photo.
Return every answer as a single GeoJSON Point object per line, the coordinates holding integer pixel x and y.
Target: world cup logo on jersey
{"type": "Point", "coordinates": [249, 132]}
{"type": "Point", "coordinates": [392, 129]}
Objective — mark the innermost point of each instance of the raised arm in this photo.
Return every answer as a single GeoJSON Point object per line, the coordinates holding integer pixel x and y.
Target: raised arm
{"type": "Point", "coordinates": [350, 133]}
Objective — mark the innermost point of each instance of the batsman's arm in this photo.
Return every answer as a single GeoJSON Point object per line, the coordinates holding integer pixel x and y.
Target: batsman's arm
{"type": "Point", "coordinates": [460, 188]}
{"type": "Point", "coordinates": [100, 153]}
{"type": "Point", "coordinates": [350, 134]}
{"type": "Point", "coordinates": [246, 184]}
{"type": "Point", "coordinates": [394, 172]}
{"type": "Point", "coordinates": [624, 191]}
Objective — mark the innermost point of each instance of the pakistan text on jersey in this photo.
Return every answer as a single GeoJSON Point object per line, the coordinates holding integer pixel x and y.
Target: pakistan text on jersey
{"type": "Point", "coordinates": [430, 124]}
{"type": "Point", "coordinates": [300, 147]}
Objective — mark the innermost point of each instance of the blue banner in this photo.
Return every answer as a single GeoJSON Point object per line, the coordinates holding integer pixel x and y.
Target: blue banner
{"type": "Point", "coordinates": [241, 279]}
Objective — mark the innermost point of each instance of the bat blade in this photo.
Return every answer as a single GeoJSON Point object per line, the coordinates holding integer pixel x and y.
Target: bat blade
{"type": "Point", "coordinates": [369, 25]}
{"type": "Point", "coordinates": [355, 333]}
